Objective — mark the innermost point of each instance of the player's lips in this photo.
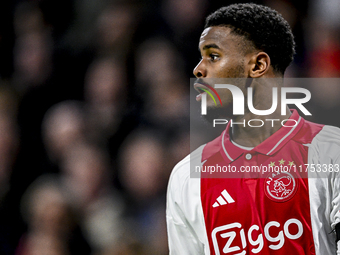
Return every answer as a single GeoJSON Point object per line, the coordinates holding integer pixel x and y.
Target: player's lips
{"type": "Point", "coordinates": [200, 84]}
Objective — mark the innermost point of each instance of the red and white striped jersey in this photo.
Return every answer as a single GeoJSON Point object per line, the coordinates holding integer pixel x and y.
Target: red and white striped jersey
{"type": "Point", "coordinates": [269, 211]}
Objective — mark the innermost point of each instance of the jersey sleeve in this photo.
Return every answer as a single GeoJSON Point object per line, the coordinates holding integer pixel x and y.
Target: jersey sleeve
{"type": "Point", "coordinates": [325, 188]}
{"type": "Point", "coordinates": [335, 212]}
{"type": "Point", "coordinates": [331, 153]}
{"type": "Point", "coordinates": [335, 183]}
{"type": "Point", "coordinates": [181, 237]}
{"type": "Point", "coordinates": [184, 215]}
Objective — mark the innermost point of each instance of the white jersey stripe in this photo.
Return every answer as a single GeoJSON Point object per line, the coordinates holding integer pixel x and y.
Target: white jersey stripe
{"type": "Point", "coordinates": [225, 151]}
{"type": "Point", "coordinates": [283, 138]}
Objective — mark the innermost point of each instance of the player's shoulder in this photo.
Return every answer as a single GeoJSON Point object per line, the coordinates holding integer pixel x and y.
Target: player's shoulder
{"type": "Point", "coordinates": [181, 172]}
{"type": "Point", "coordinates": [314, 133]}
{"type": "Point", "coordinates": [328, 134]}
{"type": "Point", "coordinates": [325, 146]}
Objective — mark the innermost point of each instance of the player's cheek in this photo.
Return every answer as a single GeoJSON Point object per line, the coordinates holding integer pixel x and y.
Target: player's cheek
{"type": "Point", "coordinates": [225, 96]}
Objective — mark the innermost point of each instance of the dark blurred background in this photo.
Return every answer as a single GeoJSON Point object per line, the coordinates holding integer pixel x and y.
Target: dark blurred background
{"type": "Point", "coordinates": [94, 114]}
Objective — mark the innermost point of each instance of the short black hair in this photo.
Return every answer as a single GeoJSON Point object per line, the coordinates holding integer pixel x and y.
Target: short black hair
{"type": "Point", "coordinates": [261, 25]}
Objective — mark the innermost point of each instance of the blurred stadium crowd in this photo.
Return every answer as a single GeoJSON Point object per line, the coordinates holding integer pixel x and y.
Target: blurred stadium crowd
{"type": "Point", "coordinates": [94, 108]}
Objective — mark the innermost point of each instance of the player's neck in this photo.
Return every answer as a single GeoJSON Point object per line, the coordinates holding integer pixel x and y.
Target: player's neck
{"type": "Point", "coordinates": [246, 131]}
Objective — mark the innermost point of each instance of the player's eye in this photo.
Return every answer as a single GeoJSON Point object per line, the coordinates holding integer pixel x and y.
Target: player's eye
{"type": "Point", "coordinates": [214, 56]}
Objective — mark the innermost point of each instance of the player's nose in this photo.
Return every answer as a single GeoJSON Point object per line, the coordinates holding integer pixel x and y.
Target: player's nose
{"type": "Point", "coordinates": [200, 70]}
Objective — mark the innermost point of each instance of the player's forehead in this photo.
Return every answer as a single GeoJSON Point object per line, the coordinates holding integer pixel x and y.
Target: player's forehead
{"type": "Point", "coordinates": [221, 36]}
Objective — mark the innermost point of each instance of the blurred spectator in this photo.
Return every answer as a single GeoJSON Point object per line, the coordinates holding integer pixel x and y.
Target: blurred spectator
{"type": "Point", "coordinates": [63, 126]}
{"type": "Point", "coordinates": [32, 60]}
{"type": "Point", "coordinates": [105, 96]}
{"type": "Point", "coordinates": [184, 21]}
{"type": "Point", "coordinates": [161, 83]}
{"type": "Point", "coordinates": [157, 59]}
{"type": "Point", "coordinates": [142, 175]}
{"type": "Point", "coordinates": [32, 79]}
{"type": "Point", "coordinates": [49, 220]}
{"type": "Point", "coordinates": [115, 28]}
{"type": "Point", "coordinates": [322, 34]}
{"type": "Point", "coordinates": [110, 116]}
{"type": "Point", "coordinates": [188, 16]}
{"type": "Point", "coordinates": [28, 18]}
{"type": "Point", "coordinates": [87, 179]}
{"type": "Point", "coordinates": [326, 11]}
{"type": "Point", "coordinates": [141, 161]}
{"type": "Point", "coordinates": [33, 47]}
{"type": "Point", "coordinates": [323, 57]}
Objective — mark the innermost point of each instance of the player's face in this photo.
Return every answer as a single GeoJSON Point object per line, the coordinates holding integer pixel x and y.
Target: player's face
{"type": "Point", "coordinates": [222, 57]}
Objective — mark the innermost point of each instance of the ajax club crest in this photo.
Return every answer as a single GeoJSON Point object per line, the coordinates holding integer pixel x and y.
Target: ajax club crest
{"type": "Point", "coordinates": [280, 187]}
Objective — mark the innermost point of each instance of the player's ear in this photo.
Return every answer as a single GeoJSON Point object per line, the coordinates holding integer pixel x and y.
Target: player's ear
{"type": "Point", "coordinates": [259, 64]}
